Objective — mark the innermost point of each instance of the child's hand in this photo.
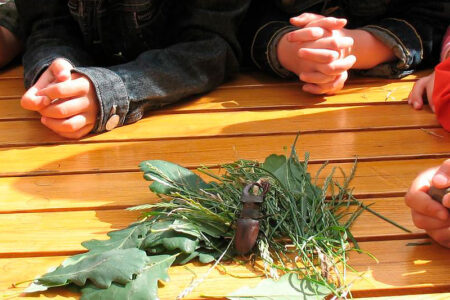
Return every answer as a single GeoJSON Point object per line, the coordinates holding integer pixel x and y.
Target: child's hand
{"type": "Point", "coordinates": [58, 71]}
{"type": "Point", "coordinates": [427, 213]}
{"type": "Point", "coordinates": [423, 86]}
{"type": "Point", "coordinates": [321, 54]}
{"type": "Point", "coordinates": [74, 113]}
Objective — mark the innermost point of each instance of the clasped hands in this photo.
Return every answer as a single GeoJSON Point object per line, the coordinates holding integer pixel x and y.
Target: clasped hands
{"type": "Point", "coordinates": [66, 101]}
{"type": "Point", "coordinates": [319, 52]}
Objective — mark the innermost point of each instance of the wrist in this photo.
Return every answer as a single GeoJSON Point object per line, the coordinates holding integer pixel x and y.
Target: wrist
{"type": "Point", "coordinates": [368, 50]}
{"type": "Point", "coordinates": [287, 54]}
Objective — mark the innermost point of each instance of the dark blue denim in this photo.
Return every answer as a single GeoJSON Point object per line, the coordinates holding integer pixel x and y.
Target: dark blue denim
{"type": "Point", "coordinates": [413, 29]}
{"type": "Point", "coordinates": [9, 18]}
{"type": "Point", "coordinates": [139, 54]}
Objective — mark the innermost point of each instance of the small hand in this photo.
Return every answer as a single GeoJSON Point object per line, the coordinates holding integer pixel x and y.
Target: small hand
{"type": "Point", "coordinates": [426, 213]}
{"type": "Point", "coordinates": [323, 53]}
{"type": "Point", "coordinates": [423, 86]}
{"type": "Point", "coordinates": [58, 71]}
{"type": "Point", "coordinates": [74, 114]}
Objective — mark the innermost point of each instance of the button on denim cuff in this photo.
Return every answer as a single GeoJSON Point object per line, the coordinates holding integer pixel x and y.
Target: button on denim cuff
{"type": "Point", "coordinates": [112, 97]}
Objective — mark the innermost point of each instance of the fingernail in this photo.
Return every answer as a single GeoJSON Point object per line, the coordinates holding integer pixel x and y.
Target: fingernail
{"type": "Point", "coordinates": [317, 32]}
{"type": "Point", "coordinates": [416, 105]}
{"type": "Point", "coordinates": [440, 179]}
{"type": "Point", "coordinates": [442, 215]}
{"type": "Point", "coordinates": [43, 119]}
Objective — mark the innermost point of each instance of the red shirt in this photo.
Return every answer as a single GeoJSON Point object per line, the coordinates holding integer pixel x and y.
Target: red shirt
{"type": "Point", "coordinates": [441, 93]}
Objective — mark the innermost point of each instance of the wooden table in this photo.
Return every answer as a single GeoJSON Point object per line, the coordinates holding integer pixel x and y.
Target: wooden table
{"type": "Point", "coordinates": [56, 193]}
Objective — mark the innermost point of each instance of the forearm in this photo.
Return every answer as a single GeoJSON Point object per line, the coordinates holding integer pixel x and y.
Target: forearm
{"type": "Point", "coordinates": [368, 50]}
{"type": "Point", "coordinates": [159, 77]}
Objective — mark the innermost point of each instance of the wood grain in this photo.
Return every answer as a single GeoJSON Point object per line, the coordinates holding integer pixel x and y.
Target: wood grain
{"type": "Point", "coordinates": [112, 157]}
{"type": "Point", "coordinates": [402, 270]}
{"type": "Point", "coordinates": [171, 126]}
{"type": "Point", "coordinates": [119, 190]}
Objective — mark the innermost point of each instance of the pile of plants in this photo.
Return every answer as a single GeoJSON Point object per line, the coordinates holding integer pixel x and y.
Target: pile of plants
{"type": "Point", "coordinates": [304, 231]}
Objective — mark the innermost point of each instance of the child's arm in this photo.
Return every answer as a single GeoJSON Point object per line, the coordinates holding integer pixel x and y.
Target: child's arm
{"type": "Point", "coordinates": [205, 53]}
{"type": "Point", "coordinates": [427, 213]}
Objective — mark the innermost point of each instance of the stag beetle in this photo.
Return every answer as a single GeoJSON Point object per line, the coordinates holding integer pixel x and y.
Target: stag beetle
{"type": "Point", "coordinates": [247, 226]}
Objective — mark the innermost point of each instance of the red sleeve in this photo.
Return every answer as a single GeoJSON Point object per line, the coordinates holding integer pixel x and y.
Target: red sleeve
{"type": "Point", "coordinates": [441, 93]}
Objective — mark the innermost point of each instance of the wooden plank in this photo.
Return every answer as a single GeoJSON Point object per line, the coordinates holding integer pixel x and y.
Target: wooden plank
{"type": "Point", "coordinates": [244, 97]}
{"type": "Point", "coordinates": [291, 96]}
{"type": "Point", "coordinates": [402, 270]}
{"type": "Point", "coordinates": [12, 72]}
{"type": "Point", "coordinates": [119, 190]}
{"type": "Point", "coordinates": [38, 232]}
{"type": "Point", "coordinates": [111, 157]}
{"type": "Point", "coordinates": [164, 126]}
{"type": "Point", "coordinates": [11, 88]}
{"type": "Point", "coordinates": [256, 78]}
{"type": "Point", "coordinates": [11, 110]}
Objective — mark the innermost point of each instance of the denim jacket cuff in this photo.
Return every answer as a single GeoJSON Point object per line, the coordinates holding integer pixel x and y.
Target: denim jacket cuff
{"type": "Point", "coordinates": [264, 47]}
{"type": "Point", "coordinates": [112, 97]}
{"type": "Point", "coordinates": [9, 18]}
{"type": "Point", "coordinates": [405, 42]}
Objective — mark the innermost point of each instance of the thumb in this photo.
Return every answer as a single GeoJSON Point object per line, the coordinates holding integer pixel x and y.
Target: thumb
{"type": "Point", "coordinates": [441, 178]}
{"type": "Point", "coordinates": [60, 69]}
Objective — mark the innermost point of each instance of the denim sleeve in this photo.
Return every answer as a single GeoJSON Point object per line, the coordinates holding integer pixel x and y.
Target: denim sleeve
{"type": "Point", "coordinates": [9, 18]}
{"type": "Point", "coordinates": [205, 53]}
{"type": "Point", "coordinates": [51, 33]}
{"type": "Point", "coordinates": [414, 35]}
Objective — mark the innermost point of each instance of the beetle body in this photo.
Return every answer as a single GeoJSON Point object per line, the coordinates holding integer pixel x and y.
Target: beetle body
{"type": "Point", "coordinates": [247, 226]}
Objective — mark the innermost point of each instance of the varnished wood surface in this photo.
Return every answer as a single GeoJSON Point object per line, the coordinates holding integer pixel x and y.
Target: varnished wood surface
{"type": "Point", "coordinates": [50, 186]}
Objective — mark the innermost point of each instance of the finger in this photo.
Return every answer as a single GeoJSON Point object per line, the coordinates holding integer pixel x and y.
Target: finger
{"type": "Point", "coordinates": [337, 67]}
{"type": "Point", "coordinates": [304, 19]}
{"type": "Point", "coordinates": [318, 55]}
{"type": "Point", "coordinates": [66, 109]}
{"type": "Point", "coordinates": [441, 178]}
{"type": "Point", "coordinates": [422, 182]}
{"type": "Point", "coordinates": [66, 89]}
{"type": "Point", "coordinates": [327, 88]}
{"type": "Point", "coordinates": [332, 43]}
{"type": "Point", "coordinates": [61, 69]}
{"type": "Point", "coordinates": [415, 97]}
{"type": "Point", "coordinates": [68, 125]}
{"type": "Point", "coordinates": [316, 77]}
{"type": "Point", "coordinates": [442, 236]}
{"type": "Point", "coordinates": [78, 134]}
{"type": "Point", "coordinates": [422, 203]}
{"type": "Point", "coordinates": [306, 34]}
{"type": "Point", "coordinates": [31, 101]}
{"type": "Point", "coordinates": [328, 23]}
{"type": "Point", "coordinates": [426, 222]}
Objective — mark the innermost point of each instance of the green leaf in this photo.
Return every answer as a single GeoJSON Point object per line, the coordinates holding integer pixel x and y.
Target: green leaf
{"type": "Point", "coordinates": [144, 287]}
{"type": "Point", "coordinates": [171, 240]}
{"type": "Point", "coordinates": [168, 177]}
{"type": "Point", "coordinates": [288, 287]}
{"type": "Point", "coordinates": [203, 257]}
{"type": "Point", "coordinates": [100, 268]}
{"type": "Point", "coordinates": [130, 237]}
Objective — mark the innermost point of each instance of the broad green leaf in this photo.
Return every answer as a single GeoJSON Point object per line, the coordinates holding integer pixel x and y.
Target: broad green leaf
{"type": "Point", "coordinates": [168, 177]}
{"type": "Point", "coordinates": [144, 287]}
{"type": "Point", "coordinates": [100, 268]}
{"type": "Point", "coordinates": [288, 287]}
{"type": "Point", "coordinates": [203, 257]}
{"type": "Point", "coordinates": [171, 240]}
{"type": "Point", "coordinates": [130, 237]}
